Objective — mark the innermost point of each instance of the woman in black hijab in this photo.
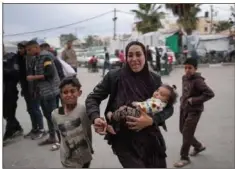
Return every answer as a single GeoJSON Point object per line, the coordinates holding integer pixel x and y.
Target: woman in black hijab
{"type": "Point", "coordinates": [141, 144]}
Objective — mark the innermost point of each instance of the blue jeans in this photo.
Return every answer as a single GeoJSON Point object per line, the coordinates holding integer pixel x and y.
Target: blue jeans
{"type": "Point", "coordinates": [48, 105]}
{"type": "Point", "coordinates": [33, 108]}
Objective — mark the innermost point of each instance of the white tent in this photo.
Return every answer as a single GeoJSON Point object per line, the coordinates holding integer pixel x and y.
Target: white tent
{"type": "Point", "coordinates": [213, 42]}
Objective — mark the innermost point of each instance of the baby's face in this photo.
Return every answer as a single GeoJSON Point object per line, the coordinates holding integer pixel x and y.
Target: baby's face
{"type": "Point", "coordinates": [162, 93]}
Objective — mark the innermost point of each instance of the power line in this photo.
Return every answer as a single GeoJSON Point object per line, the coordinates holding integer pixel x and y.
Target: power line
{"type": "Point", "coordinates": [125, 12]}
{"type": "Point", "coordinates": [59, 27]}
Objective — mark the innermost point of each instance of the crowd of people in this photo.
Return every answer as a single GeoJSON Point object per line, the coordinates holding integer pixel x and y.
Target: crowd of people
{"type": "Point", "coordinates": [139, 104]}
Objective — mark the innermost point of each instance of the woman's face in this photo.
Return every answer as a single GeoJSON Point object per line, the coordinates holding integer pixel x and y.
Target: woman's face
{"type": "Point", "coordinates": [136, 58]}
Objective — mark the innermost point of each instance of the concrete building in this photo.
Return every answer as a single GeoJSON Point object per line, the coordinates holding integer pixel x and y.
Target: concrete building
{"type": "Point", "coordinates": [204, 25]}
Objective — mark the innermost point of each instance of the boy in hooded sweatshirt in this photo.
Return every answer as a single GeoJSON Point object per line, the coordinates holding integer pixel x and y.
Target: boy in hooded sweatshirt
{"type": "Point", "coordinates": [194, 93]}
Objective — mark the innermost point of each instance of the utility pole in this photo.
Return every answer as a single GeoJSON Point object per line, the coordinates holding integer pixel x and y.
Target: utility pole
{"type": "Point", "coordinates": [114, 24]}
{"type": "Point", "coordinates": [211, 27]}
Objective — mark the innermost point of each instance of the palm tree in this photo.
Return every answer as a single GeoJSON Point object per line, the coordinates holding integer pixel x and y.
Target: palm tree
{"type": "Point", "coordinates": [222, 25]}
{"type": "Point", "coordinates": [149, 16]}
{"type": "Point", "coordinates": [188, 19]}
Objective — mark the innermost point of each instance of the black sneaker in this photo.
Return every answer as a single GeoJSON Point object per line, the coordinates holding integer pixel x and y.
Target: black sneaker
{"type": "Point", "coordinates": [39, 134]}
{"type": "Point", "coordinates": [9, 137]}
{"type": "Point", "coordinates": [31, 134]}
{"type": "Point", "coordinates": [6, 141]}
{"type": "Point", "coordinates": [17, 133]}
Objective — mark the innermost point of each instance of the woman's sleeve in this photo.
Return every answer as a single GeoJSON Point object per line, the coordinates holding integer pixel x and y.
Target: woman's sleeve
{"type": "Point", "coordinates": [100, 93]}
{"type": "Point", "coordinates": [161, 117]}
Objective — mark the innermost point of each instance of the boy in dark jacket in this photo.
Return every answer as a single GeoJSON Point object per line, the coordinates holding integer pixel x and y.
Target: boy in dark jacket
{"type": "Point", "coordinates": [33, 105]}
{"type": "Point", "coordinates": [195, 93]}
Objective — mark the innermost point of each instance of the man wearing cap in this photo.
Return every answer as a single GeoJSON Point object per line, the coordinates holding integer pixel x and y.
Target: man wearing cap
{"type": "Point", "coordinates": [69, 56]}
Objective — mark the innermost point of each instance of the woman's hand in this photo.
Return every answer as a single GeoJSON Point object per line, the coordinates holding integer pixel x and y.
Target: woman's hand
{"type": "Point", "coordinates": [100, 126]}
{"type": "Point", "coordinates": [140, 123]}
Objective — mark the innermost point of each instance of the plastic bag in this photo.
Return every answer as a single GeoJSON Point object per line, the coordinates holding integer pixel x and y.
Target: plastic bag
{"type": "Point", "coordinates": [67, 69]}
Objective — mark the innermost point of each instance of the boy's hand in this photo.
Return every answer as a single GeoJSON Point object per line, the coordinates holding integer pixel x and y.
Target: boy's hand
{"type": "Point", "coordinates": [110, 129]}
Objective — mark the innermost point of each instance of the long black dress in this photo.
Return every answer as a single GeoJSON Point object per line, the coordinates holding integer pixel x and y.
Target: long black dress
{"type": "Point", "coordinates": [143, 149]}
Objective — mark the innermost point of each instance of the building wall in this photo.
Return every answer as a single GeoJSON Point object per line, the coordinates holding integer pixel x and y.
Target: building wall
{"type": "Point", "coordinates": [204, 25]}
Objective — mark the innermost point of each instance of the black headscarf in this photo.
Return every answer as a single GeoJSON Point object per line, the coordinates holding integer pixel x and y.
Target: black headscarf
{"type": "Point", "coordinates": [134, 86]}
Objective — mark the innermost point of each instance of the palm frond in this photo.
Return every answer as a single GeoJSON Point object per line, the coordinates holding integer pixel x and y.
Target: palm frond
{"type": "Point", "coordinates": [139, 14]}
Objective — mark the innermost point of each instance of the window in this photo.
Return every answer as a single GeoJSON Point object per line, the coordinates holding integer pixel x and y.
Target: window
{"type": "Point", "coordinates": [206, 29]}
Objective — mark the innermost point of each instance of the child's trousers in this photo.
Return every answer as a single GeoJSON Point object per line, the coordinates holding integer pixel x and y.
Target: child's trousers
{"type": "Point", "coordinates": [188, 124]}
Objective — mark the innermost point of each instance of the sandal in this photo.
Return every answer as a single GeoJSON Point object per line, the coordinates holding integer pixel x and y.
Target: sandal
{"type": "Point", "coordinates": [181, 163]}
{"type": "Point", "coordinates": [55, 147]}
{"type": "Point", "coordinates": [197, 151]}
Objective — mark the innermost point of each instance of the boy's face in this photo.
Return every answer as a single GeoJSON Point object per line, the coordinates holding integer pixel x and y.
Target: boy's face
{"type": "Point", "coordinates": [189, 70]}
{"type": "Point", "coordinates": [162, 93]}
{"type": "Point", "coordinates": [33, 50]}
{"type": "Point", "coordinates": [70, 94]}
{"type": "Point", "coordinates": [21, 50]}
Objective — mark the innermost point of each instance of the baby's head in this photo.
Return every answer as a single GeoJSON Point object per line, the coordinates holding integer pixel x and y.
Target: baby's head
{"type": "Point", "coordinates": [166, 93]}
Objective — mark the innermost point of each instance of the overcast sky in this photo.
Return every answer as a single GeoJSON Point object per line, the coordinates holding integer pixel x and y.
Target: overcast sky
{"type": "Point", "coordinates": [18, 18]}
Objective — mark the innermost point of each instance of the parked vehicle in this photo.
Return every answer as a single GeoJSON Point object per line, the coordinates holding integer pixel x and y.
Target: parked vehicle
{"type": "Point", "coordinates": [81, 58]}
{"type": "Point", "coordinates": [114, 61]}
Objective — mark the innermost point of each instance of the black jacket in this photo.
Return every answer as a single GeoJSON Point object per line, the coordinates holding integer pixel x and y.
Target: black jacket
{"type": "Point", "coordinates": [10, 68]}
{"type": "Point", "coordinates": [108, 86]}
{"type": "Point", "coordinates": [23, 73]}
{"type": "Point", "coordinates": [10, 72]}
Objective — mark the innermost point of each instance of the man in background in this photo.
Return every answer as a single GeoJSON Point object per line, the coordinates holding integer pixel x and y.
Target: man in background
{"type": "Point", "coordinates": [122, 58]}
{"type": "Point", "coordinates": [149, 57]}
{"type": "Point", "coordinates": [69, 56]}
{"type": "Point", "coordinates": [106, 61]}
{"type": "Point", "coordinates": [158, 60]}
